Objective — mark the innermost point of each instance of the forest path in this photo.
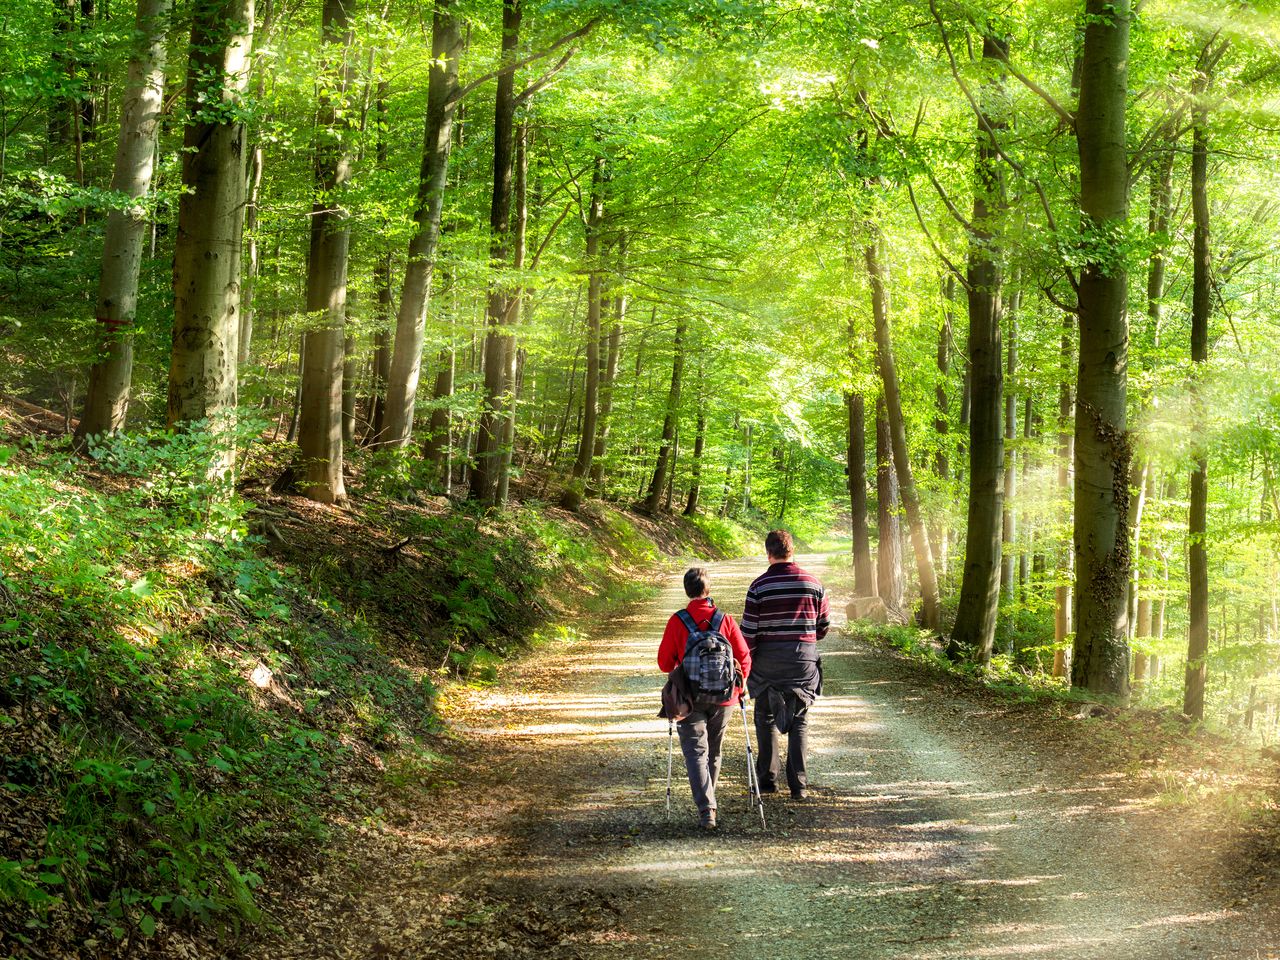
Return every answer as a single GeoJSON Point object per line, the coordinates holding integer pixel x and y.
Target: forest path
{"type": "Point", "coordinates": [941, 825]}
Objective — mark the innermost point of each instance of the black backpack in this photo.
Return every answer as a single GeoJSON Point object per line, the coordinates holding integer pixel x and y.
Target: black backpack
{"type": "Point", "coordinates": [708, 662]}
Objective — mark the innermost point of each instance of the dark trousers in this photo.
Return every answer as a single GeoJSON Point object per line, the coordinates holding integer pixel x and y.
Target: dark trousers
{"type": "Point", "coordinates": [768, 742]}
{"type": "Point", "coordinates": [701, 734]}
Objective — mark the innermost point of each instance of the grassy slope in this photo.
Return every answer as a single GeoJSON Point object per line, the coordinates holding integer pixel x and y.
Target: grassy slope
{"type": "Point", "coordinates": [193, 690]}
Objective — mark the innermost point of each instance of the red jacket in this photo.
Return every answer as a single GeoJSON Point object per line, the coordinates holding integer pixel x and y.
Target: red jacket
{"type": "Point", "coordinates": [676, 635]}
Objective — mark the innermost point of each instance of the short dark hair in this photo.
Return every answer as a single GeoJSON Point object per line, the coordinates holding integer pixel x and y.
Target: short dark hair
{"type": "Point", "coordinates": [696, 580]}
{"type": "Point", "coordinates": [779, 545]}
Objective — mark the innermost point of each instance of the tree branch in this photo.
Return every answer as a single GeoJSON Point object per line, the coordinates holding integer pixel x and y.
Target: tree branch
{"type": "Point", "coordinates": [517, 64]}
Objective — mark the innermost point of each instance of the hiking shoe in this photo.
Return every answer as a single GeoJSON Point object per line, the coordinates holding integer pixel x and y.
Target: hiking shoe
{"type": "Point", "coordinates": [801, 794]}
{"type": "Point", "coordinates": [768, 788]}
{"type": "Point", "coordinates": [707, 821]}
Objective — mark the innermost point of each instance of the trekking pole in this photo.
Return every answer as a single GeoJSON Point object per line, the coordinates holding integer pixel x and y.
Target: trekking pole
{"type": "Point", "coordinates": [754, 797]}
{"type": "Point", "coordinates": [671, 732]}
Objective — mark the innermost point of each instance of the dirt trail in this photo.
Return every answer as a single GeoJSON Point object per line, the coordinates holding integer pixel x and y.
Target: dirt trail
{"type": "Point", "coordinates": [938, 828]}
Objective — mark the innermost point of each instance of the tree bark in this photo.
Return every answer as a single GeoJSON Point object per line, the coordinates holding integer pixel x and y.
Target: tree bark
{"type": "Point", "coordinates": [931, 614]}
{"type": "Point", "coordinates": [596, 483]}
{"type": "Point", "coordinates": [1197, 525]}
{"type": "Point", "coordinates": [864, 581]}
{"type": "Point", "coordinates": [695, 484]}
{"type": "Point", "coordinates": [1008, 515]}
{"type": "Point", "coordinates": [889, 550]}
{"type": "Point", "coordinates": [1065, 562]}
{"type": "Point", "coordinates": [488, 452]}
{"type": "Point", "coordinates": [659, 481]}
{"type": "Point", "coordinates": [591, 395]}
{"type": "Point", "coordinates": [415, 291]}
{"type": "Point", "coordinates": [1102, 442]}
{"type": "Point", "coordinates": [979, 603]}
{"type": "Point", "coordinates": [107, 401]}
{"type": "Point", "coordinates": [320, 434]}
{"type": "Point", "coordinates": [206, 257]}
{"type": "Point", "coordinates": [941, 425]}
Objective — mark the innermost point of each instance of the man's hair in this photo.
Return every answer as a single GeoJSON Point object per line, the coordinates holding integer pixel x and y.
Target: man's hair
{"type": "Point", "coordinates": [696, 580]}
{"type": "Point", "coordinates": [779, 545]}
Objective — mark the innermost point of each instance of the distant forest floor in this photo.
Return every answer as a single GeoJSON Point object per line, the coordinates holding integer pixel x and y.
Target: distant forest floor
{"type": "Point", "coordinates": [947, 821]}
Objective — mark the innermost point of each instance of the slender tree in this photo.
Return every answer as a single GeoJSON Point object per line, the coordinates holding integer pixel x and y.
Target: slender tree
{"type": "Point", "coordinates": [979, 603]}
{"type": "Point", "coordinates": [206, 258]}
{"type": "Point", "coordinates": [1102, 445]}
{"type": "Point", "coordinates": [107, 401]}
{"type": "Point", "coordinates": [656, 486]}
{"type": "Point", "coordinates": [320, 433]}
{"type": "Point", "coordinates": [415, 291]}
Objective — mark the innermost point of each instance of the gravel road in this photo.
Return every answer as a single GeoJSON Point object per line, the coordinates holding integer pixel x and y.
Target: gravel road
{"type": "Point", "coordinates": [942, 824]}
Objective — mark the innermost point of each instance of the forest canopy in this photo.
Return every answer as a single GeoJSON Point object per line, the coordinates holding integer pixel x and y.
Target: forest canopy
{"type": "Point", "coordinates": [990, 287]}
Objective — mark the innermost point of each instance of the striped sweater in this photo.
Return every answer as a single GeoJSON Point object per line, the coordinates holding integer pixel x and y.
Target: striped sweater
{"type": "Point", "coordinates": [785, 604]}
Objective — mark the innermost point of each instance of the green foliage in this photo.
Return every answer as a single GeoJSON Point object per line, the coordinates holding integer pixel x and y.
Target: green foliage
{"type": "Point", "coordinates": [140, 614]}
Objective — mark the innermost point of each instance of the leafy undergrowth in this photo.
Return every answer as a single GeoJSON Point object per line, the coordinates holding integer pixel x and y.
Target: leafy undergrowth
{"type": "Point", "coordinates": [194, 687]}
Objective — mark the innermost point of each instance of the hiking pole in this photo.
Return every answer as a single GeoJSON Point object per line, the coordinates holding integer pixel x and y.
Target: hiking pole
{"type": "Point", "coordinates": [754, 798]}
{"type": "Point", "coordinates": [671, 732]}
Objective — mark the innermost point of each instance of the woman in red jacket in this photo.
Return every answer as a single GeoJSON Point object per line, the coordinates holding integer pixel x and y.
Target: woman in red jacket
{"type": "Point", "coordinates": [702, 731]}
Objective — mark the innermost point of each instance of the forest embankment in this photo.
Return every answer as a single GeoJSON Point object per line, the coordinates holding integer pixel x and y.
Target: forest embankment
{"type": "Point", "coordinates": [197, 687]}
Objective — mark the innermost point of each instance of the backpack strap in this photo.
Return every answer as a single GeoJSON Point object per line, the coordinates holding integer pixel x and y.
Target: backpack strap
{"type": "Point", "coordinates": [717, 618]}
{"type": "Point", "coordinates": [688, 622]}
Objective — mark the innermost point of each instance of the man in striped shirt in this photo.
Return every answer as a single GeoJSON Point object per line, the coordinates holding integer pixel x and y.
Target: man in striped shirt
{"type": "Point", "coordinates": [785, 616]}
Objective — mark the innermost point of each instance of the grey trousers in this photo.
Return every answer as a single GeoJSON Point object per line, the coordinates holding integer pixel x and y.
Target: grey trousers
{"type": "Point", "coordinates": [768, 760]}
{"type": "Point", "coordinates": [700, 736]}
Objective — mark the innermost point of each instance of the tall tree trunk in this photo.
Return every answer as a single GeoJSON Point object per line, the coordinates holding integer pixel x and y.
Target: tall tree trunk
{"type": "Point", "coordinates": [206, 256]}
{"type": "Point", "coordinates": [320, 418]}
{"type": "Point", "coordinates": [979, 602]}
{"type": "Point", "coordinates": [1008, 516]}
{"type": "Point", "coordinates": [1197, 526]}
{"type": "Point", "coordinates": [107, 401]}
{"type": "Point", "coordinates": [1159, 212]}
{"type": "Point", "coordinates": [515, 356]}
{"type": "Point", "coordinates": [889, 551]}
{"type": "Point", "coordinates": [488, 452]}
{"type": "Point", "coordinates": [864, 581]}
{"type": "Point", "coordinates": [931, 614]}
{"type": "Point", "coordinates": [1102, 442]}
{"type": "Point", "coordinates": [941, 425]}
{"type": "Point", "coordinates": [350, 362]}
{"type": "Point", "coordinates": [248, 305]}
{"type": "Point", "coordinates": [415, 291]}
{"type": "Point", "coordinates": [606, 390]}
{"type": "Point", "coordinates": [659, 481]}
{"type": "Point", "coordinates": [1062, 606]}
{"type": "Point", "coordinates": [591, 395]}
{"type": "Point", "coordinates": [695, 485]}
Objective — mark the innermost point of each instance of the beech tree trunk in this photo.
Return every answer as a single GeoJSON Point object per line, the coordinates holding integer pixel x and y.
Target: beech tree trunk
{"type": "Point", "coordinates": [931, 617]}
{"type": "Point", "coordinates": [889, 577]}
{"type": "Point", "coordinates": [485, 474]}
{"type": "Point", "coordinates": [206, 256]}
{"type": "Point", "coordinates": [606, 394]}
{"type": "Point", "coordinates": [320, 433]}
{"type": "Point", "coordinates": [591, 395]}
{"type": "Point", "coordinates": [941, 426]}
{"type": "Point", "coordinates": [1159, 212]}
{"type": "Point", "coordinates": [107, 402]}
{"type": "Point", "coordinates": [658, 484]}
{"type": "Point", "coordinates": [1197, 526]}
{"type": "Point", "coordinates": [864, 580]}
{"type": "Point", "coordinates": [979, 603]}
{"type": "Point", "coordinates": [415, 291]}
{"type": "Point", "coordinates": [1062, 608]}
{"type": "Point", "coordinates": [1009, 516]}
{"type": "Point", "coordinates": [695, 484]}
{"type": "Point", "coordinates": [1102, 442]}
